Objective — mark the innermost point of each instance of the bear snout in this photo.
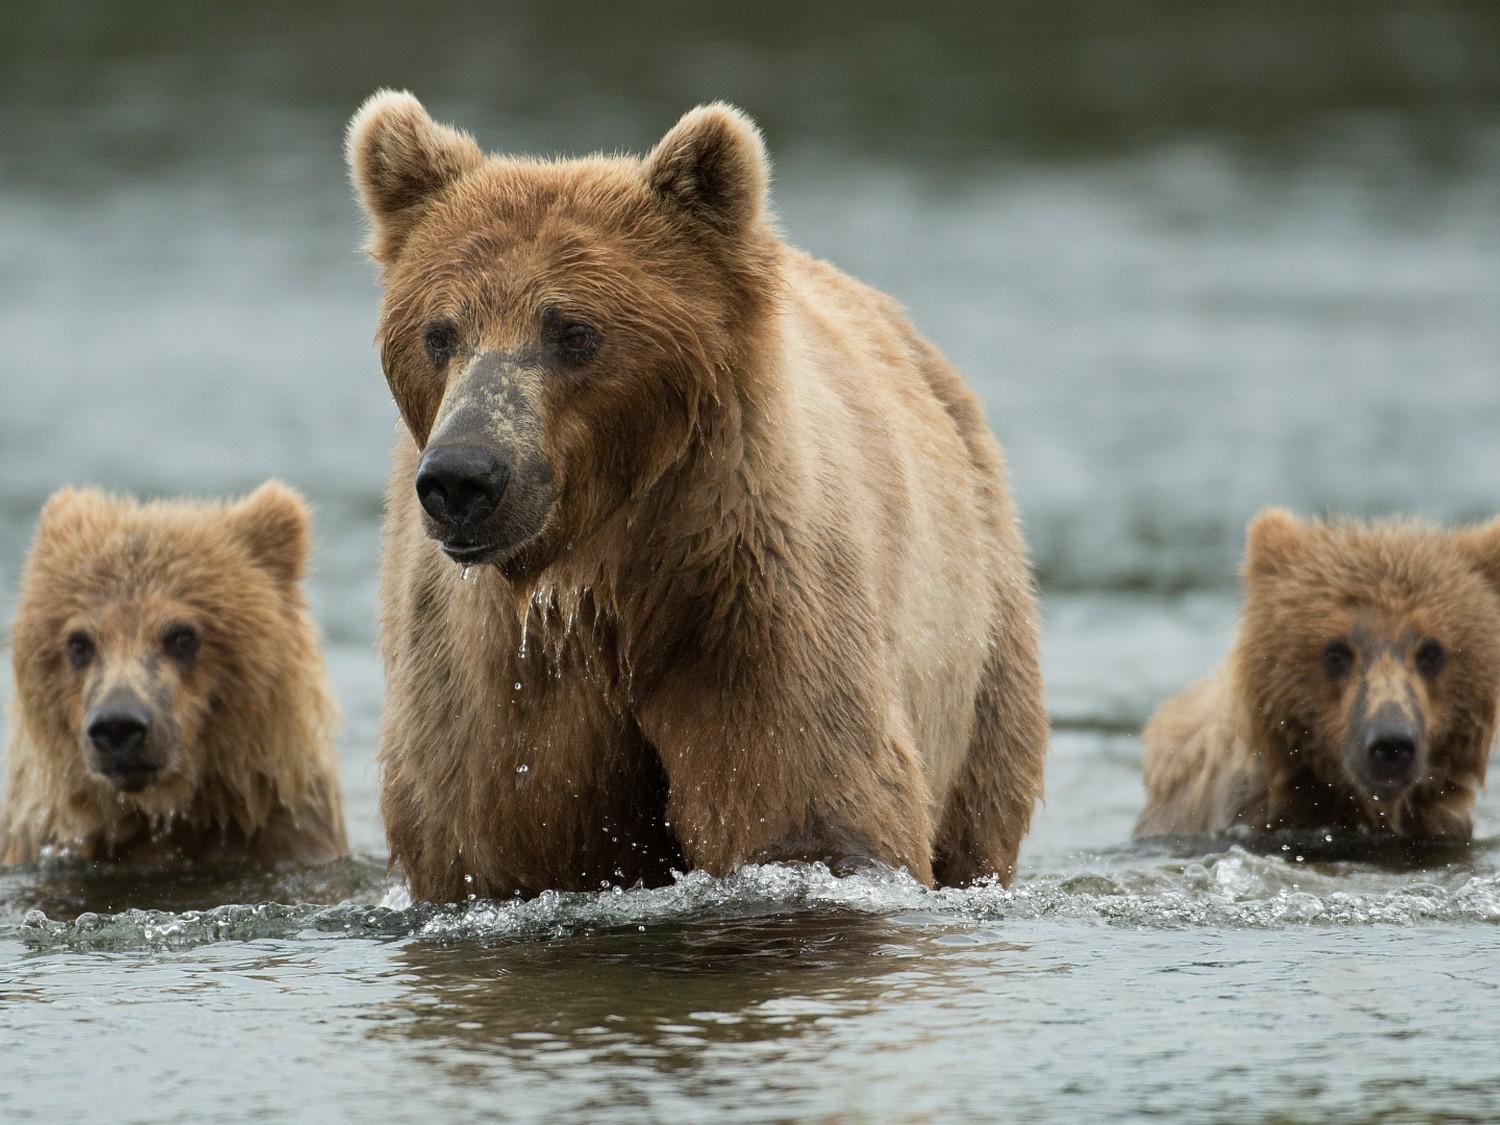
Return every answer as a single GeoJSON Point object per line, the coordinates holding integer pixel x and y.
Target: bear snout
{"type": "Point", "coordinates": [118, 731]}
{"type": "Point", "coordinates": [1389, 753]}
{"type": "Point", "coordinates": [460, 486]}
{"type": "Point", "coordinates": [481, 501]}
{"type": "Point", "coordinates": [484, 481]}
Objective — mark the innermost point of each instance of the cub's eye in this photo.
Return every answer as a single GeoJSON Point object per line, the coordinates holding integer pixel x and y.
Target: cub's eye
{"type": "Point", "coordinates": [1430, 658]}
{"type": "Point", "coordinates": [441, 341]}
{"type": "Point", "coordinates": [80, 649]}
{"type": "Point", "coordinates": [1338, 659]}
{"type": "Point", "coordinates": [577, 343]}
{"type": "Point", "coordinates": [181, 643]}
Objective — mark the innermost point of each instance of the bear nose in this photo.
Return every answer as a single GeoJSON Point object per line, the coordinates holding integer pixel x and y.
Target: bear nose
{"type": "Point", "coordinates": [119, 732]}
{"type": "Point", "coordinates": [460, 484]}
{"type": "Point", "coordinates": [1391, 754]}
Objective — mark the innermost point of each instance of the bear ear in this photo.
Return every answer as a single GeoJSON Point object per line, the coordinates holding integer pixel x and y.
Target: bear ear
{"type": "Point", "coordinates": [74, 510]}
{"type": "Point", "coordinates": [713, 165]}
{"type": "Point", "coordinates": [399, 158]}
{"type": "Point", "coordinates": [1274, 540]}
{"type": "Point", "coordinates": [1480, 544]}
{"type": "Point", "coordinates": [61, 508]}
{"type": "Point", "coordinates": [275, 523]}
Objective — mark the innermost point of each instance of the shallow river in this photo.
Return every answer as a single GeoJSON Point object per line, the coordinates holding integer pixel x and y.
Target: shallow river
{"type": "Point", "coordinates": [1196, 263]}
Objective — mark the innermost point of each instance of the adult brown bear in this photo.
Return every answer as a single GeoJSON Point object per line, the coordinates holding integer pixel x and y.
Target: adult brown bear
{"type": "Point", "coordinates": [1361, 693]}
{"type": "Point", "coordinates": [695, 552]}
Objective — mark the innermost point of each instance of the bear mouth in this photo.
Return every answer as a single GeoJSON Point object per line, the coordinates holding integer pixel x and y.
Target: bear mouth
{"type": "Point", "coordinates": [1386, 789]}
{"type": "Point", "coordinates": [467, 554]}
{"type": "Point", "coordinates": [466, 551]}
{"type": "Point", "coordinates": [131, 779]}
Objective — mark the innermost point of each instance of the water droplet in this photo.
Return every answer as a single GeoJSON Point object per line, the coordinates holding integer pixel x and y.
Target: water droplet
{"type": "Point", "coordinates": [518, 685]}
{"type": "Point", "coordinates": [463, 573]}
{"type": "Point", "coordinates": [523, 769]}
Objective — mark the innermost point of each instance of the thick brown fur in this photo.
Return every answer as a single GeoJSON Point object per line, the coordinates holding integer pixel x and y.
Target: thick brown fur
{"type": "Point", "coordinates": [243, 724]}
{"type": "Point", "coordinates": [779, 607]}
{"type": "Point", "coordinates": [1266, 741]}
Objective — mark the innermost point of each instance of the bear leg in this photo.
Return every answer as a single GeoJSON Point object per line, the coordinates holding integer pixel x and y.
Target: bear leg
{"type": "Point", "coordinates": [990, 804]}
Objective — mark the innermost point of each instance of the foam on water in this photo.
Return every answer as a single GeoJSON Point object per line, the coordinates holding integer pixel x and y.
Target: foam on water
{"type": "Point", "coordinates": [1234, 889]}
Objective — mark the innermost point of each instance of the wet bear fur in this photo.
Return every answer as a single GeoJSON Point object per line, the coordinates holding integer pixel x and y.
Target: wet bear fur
{"type": "Point", "coordinates": [170, 698]}
{"type": "Point", "coordinates": [1360, 694]}
{"type": "Point", "coordinates": [744, 582]}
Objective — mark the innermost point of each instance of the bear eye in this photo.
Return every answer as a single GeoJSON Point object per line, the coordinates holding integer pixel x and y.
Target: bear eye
{"type": "Point", "coordinates": [1338, 659]}
{"type": "Point", "coordinates": [1430, 658]}
{"type": "Point", "coordinates": [80, 649]}
{"type": "Point", "coordinates": [181, 643]}
{"type": "Point", "coordinates": [577, 343]}
{"type": "Point", "coordinates": [441, 341]}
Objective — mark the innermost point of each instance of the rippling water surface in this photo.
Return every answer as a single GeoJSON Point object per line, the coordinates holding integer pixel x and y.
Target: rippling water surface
{"type": "Point", "coordinates": [1196, 260]}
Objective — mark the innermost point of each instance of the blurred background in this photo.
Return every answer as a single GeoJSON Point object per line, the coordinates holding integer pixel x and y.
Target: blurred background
{"type": "Point", "coordinates": [1196, 258]}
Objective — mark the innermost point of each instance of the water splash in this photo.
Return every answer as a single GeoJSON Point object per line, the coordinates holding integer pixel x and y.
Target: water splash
{"type": "Point", "coordinates": [1236, 889]}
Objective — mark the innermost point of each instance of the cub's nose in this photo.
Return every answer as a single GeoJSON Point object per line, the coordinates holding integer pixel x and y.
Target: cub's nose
{"type": "Point", "coordinates": [460, 484]}
{"type": "Point", "coordinates": [119, 732]}
{"type": "Point", "coordinates": [1392, 754]}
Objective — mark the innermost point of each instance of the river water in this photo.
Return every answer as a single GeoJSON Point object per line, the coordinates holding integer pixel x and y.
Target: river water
{"type": "Point", "coordinates": [1196, 259]}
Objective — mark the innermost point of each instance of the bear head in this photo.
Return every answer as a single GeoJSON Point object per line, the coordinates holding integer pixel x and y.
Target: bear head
{"type": "Point", "coordinates": [1370, 653]}
{"type": "Point", "coordinates": [552, 330]}
{"type": "Point", "coordinates": [147, 633]}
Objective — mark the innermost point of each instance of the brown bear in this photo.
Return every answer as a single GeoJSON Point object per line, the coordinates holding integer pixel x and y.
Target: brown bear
{"type": "Point", "coordinates": [695, 553]}
{"type": "Point", "coordinates": [1359, 696]}
{"type": "Point", "coordinates": [170, 699]}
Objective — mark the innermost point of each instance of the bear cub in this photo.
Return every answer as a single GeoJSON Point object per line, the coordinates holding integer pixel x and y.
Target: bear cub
{"type": "Point", "coordinates": [170, 699]}
{"type": "Point", "coordinates": [1360, 695]}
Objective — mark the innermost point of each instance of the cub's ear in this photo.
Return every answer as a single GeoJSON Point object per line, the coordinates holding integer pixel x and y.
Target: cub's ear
{"type": "Point", "coordinates": [275, 523]}
{"type": "Point", "coordinates": [76, 511]}
{"type": "Point", "coordinates": [399, 158]}
{"type": "Point", "coordinates": [1274, 540]}
{"type": "Point", "coordinates": [61, 507]}
{"type": "Point", "coordinates": [1480, 544]}
{"type": "Point", "coordinates": [713, 165]}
